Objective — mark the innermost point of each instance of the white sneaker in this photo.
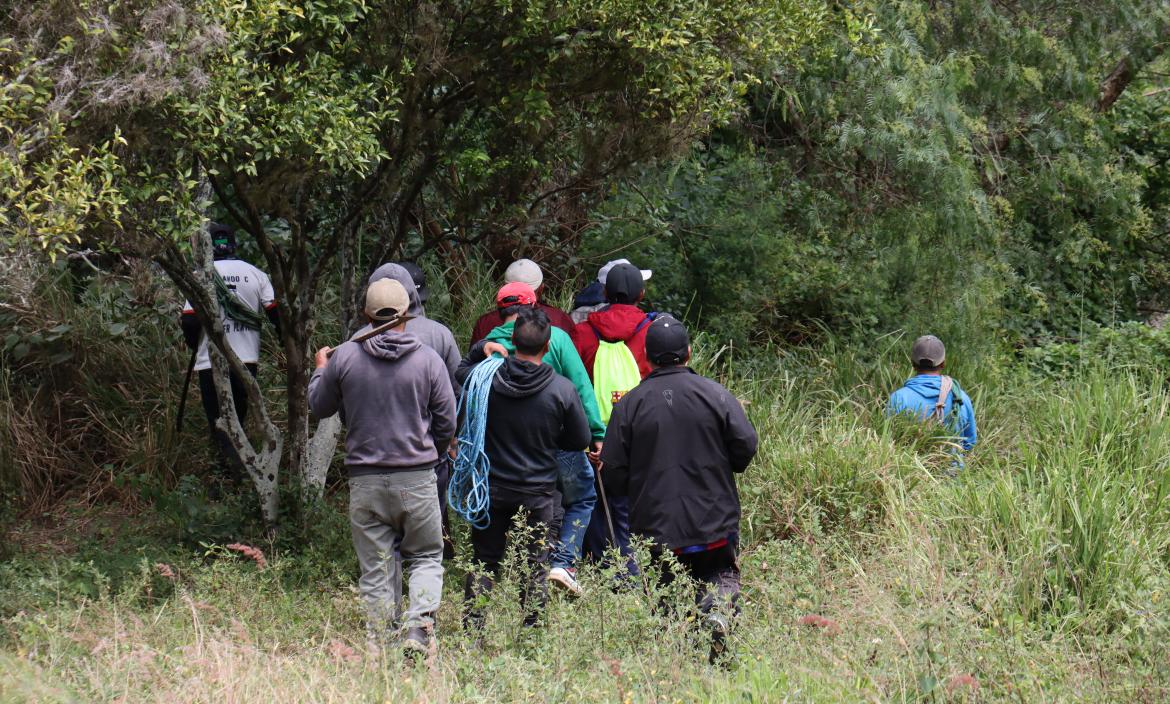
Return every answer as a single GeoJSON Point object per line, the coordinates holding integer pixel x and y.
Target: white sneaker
{"type": "Point", "coordinates": [564, 579]}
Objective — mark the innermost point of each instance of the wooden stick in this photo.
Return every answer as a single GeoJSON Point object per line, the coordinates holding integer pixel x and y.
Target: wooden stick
{"type": "Point", "coordinates": [389, 325]}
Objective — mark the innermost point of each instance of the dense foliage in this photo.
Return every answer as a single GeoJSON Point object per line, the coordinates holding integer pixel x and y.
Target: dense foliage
{"type": "Point", "coordinates": [973, 167]}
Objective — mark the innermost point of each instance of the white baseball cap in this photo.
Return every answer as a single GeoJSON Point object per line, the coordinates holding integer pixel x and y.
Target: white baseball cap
{"type": "Point", "coordinates": [604, 271]}
{"type": "Point", "coordinates": [524, 271]}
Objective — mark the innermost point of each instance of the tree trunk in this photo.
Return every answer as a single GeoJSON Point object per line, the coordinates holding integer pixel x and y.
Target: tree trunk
{"type": "Point", "coordinates": [319, 456]}
{"type": "Point", "coordinates": [323, 443]}
{"type": "Point", "coordinates": [263, 464]}
{"type": "Point", "coordinates": [297, 382]}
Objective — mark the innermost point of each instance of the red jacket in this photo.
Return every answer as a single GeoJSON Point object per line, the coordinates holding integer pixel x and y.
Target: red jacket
{"type": "Point", "coordinates": [618, 321]}
{"type": "Point", "coordinates": [491, 320]}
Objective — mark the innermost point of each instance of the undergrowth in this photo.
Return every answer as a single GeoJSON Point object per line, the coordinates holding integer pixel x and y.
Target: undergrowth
{"type": "Point", "coordinates": [1039, 572]}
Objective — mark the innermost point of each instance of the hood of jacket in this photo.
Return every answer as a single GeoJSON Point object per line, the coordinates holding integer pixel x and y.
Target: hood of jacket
{"type": "Point", "coordinates": [518, 379]}
{"type": "Point", "coordinates": [925, 385]}
{"type": "Point", "coordinates": [617, 322]}
{"type": "Point", "coordinates": [391, 345]}
{"type": "Point", "coordinates": [502, 334]}
{"type": "Point", "coordinates": [591, 295]}
{"type": "Point", "coordinates": [390, 270]}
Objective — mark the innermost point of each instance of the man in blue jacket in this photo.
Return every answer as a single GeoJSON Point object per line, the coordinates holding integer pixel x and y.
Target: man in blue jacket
{"type": "Point", "coordinates": [931, 395]}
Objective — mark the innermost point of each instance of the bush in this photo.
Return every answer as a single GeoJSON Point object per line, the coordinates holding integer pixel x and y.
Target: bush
{"type": "Point", "coordinates": [91, 366]}
{"type": "Point", "coordinates": [1134, 346]}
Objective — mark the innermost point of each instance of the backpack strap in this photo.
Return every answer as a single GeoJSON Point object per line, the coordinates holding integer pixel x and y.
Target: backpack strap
{"type": "Point", "coordinates": [645, 321]}
{"type": "Point", "coordinates": [944, 390]}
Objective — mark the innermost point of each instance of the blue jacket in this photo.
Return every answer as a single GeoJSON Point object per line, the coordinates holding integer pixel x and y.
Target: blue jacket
{"type": "Point", "coordinates": [918, 397]}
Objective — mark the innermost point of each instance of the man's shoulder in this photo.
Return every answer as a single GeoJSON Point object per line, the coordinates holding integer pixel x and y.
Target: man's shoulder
{"type": "Point", "coordinates": [344, 352]}
{"type": "Point", "coordinates": [677, 380]}
{"type": "Point", "coordinates": [485, 319]}
{"type": "Point", "coordinates": [237, 265]}
{"type": "Point", "coordinates": [431, 325]}
{"type": "Point", "coordinates": [559, 336]}
{"type": "Point", "coordinates": [556, 315]}
{"type": "Point", "coordinates": [561, 385]}
{"type": "Point", "coordinates": [424, 354]}
{"type": "Point", "coordinates": [906, 398]}
{"type": "Point", "coordinates": [960, 392]}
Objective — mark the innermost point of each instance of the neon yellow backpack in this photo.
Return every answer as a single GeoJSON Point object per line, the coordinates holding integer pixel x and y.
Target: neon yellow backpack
{"type": "Point", "coordinates": [615, 371]}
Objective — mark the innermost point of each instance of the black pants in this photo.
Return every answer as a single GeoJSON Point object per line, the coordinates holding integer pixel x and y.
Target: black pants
{"type": "Point", "coordinates": [716, 571]}
{"type": "Point", "coordinates": [229, 459]}
{"type": "Point", "coordinates": [490, 544]}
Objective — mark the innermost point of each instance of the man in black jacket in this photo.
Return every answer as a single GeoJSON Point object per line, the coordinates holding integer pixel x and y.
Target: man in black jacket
{"type": "Point", "coordinates": [673, 445]}
{"type": "Point", "coordinates": [532, 413]}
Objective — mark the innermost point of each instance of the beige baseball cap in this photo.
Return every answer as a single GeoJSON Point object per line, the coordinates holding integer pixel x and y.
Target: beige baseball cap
{"type": "Point", "coordinates": [386, 299]}
{"type": "Point", "coordinates": [524, 271]}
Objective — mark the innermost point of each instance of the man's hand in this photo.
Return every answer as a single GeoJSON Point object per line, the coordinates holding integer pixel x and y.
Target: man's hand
{"type": "Point", "coordinates": [453, 449]}
{"type": "Point", "coordinates": [323, 356]}
{"type": "Point", "coordinates": [594, 455]}
{"type": "Point", "coordinates": [490, 348]}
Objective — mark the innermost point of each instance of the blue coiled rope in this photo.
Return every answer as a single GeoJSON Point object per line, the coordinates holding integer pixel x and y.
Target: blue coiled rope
{"type": "Point", "coordinates": [467, 494]}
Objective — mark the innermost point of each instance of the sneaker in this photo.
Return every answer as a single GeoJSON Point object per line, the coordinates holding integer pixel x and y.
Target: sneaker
{"type": "Point", "coordinates": [719, 628]}
{"type": "Point", "coordinates": [417, 642]}
{"type": "Point", "coordinates": [563, 578]}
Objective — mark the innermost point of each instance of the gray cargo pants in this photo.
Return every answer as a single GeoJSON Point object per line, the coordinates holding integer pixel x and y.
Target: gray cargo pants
{"type": "Point", "coordinates": [397, 512]}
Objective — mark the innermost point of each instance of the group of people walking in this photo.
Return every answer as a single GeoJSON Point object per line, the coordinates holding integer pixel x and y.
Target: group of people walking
{"type": "Point", "coordinates": [595, 429]}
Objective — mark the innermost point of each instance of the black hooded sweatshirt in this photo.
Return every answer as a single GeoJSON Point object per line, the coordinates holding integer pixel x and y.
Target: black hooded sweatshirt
{"type": "Point", "coordinates": [532, 413]}
{"type": "Point", "coordinates": [673, 445]}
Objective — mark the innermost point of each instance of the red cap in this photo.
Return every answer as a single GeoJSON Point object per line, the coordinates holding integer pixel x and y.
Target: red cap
{"type": "Point", "coordinates": [516, 293]}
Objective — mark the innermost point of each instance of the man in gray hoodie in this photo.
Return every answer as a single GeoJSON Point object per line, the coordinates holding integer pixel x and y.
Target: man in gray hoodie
{"type": "Point", "coordinates": [396, 399]}
{"type": "Point", "coordinates": [438, 337]}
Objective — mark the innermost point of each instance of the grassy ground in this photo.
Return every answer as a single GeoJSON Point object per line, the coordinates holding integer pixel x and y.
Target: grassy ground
{"type": "Point", "coordinates": [1040, 573]}
{"type": "Point", "coordinates": [1037, 574]}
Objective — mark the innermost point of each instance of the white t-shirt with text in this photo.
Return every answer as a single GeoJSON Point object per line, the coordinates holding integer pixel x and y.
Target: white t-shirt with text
{"type": "Point", "coordinates": [254, 289]}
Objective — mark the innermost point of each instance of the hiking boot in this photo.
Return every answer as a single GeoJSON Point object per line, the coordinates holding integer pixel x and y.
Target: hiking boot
{"type": "Point", "coordinates": [565, 578]}
{"type": "Point", "coordinates": [719, 627]}
{"type": "Point", "coordinates": [417, 642]}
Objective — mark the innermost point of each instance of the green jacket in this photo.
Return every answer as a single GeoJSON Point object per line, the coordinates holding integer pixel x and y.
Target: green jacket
{"type": "Point", "coordinates": [563, 358]}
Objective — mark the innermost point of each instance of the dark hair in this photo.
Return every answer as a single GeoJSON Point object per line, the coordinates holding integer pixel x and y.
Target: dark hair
{"type": "Point", "coordinates": [532, 331]}
{"type": "Point", "coordinates": [920, 367]}
{"type": "Point", "coordinates": [668, 359]}
{"type": "Point", "coordinates": [511, 310]}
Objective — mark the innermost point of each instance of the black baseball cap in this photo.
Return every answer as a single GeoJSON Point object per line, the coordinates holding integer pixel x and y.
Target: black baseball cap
{"type": "Point", "coordinates": [667, 341]}
{"type": "Point", "coordinates": [419, 278]}
{"type": "Point", "coordinates": [223, 238]}
{"type": "Point", "coordinates": [623, 284]}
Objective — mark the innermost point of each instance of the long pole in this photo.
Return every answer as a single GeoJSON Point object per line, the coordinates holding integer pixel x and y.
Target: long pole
{"type": "Point", "coordinates": [605, 505]}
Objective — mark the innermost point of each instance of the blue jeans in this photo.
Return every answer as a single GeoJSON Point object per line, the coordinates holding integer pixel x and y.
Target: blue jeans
{"type": "Point", "coordinates": [578, 496]}
{"type": "Point", "coordinates": [597, 534]}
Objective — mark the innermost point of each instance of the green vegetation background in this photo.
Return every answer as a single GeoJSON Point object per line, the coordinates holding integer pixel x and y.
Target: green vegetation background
{"type": "Point", "coordinates": [945, 167]}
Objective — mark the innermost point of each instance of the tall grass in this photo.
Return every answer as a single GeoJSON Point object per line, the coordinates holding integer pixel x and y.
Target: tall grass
{"type": "Point", "coordinates": [1079, 506]}
{"type": "Point", "coordinates": [1041, 570]}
